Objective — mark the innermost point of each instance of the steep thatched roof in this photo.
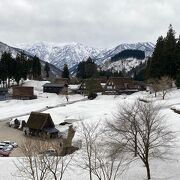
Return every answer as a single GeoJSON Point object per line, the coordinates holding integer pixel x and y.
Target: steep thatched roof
{"type": "Point", "coordinates": [40, 121]}
{"type": "Point", "coordinates": [122, 83]}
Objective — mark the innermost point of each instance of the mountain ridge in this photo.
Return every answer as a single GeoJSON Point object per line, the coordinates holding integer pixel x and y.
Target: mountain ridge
{"type": "Point", "coordinates": [71, 54]}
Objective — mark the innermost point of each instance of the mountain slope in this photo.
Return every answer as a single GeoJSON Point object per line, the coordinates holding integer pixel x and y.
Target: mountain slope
{"type": "Point", "coordinates": [4, 47]}
{"type": "Point", "coordinates": [59, 54]}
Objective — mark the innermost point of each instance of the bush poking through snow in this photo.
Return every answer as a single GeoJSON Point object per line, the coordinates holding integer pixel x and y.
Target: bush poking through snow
{"type": "Point", "coordinates": [92, 95]}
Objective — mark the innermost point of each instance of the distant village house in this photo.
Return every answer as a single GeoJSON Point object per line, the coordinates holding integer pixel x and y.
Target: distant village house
{"type": "Point", "coordinates": [119, 85]}
{"type": "Point", "coordinates": [23, 92]}
{"type": "Point", "coordinates": [55, 88]}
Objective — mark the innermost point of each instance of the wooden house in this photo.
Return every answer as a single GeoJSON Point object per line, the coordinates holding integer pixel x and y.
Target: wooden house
{"type": "Point", "coordinates": [55, 88]}
{"type": "Point", "coordinates": [90, 85]}
{"type": "Point", "coordinates": [119, 85]}
{"type": "Point", "coordinates": [41, 124]}
{"type": "Point", "coordinates": [23, 92]}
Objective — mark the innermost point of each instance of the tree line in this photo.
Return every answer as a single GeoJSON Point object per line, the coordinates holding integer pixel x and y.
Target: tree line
{"type": "Point", "coordinates": [165, 60]}
{"type": "Point", "coordinates": [89, 69]}
{"type": "Point", "coordinates": [128, 53]}
{"type": "Point", "coordinates": [20, 67]}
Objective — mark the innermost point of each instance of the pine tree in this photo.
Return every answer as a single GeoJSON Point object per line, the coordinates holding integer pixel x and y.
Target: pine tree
{"type": "Point", "coordinates": [178, 80]}
{"type": "Point", "coordinates": [177, 56]}
{"type": "Point", "coordinates": [87, 69]}
{"type": "Point", "coordinates": [36, 67]}
{"type": "Point", "coordinates": [18, 68]}
{"type": "Point", "coordinates": [81, 70]}
{"type": "Point", "coordinates": [169, 64]}
{"type": "Point", "coordinates": [47, 69]}
{"type": "Point", "coordinates": [65, 73]}
{"type": "Point", "coordinates": [7, 66]}
{"type": "Point", "coordinates": [90, 68]}
{"type": "Point", "coordinates": [154, 65]}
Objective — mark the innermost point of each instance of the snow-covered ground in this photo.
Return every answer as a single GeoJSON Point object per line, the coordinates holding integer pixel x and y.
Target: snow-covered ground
{"type": "Point", "coordinates": [15, 108]}
{"type": "Point", "coordinates": [91, 111]}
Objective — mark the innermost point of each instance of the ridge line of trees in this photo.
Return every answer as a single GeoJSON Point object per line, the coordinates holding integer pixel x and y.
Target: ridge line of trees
{"type": "Point", "coordinates": [165, 60]}
{"type": "Point", "coordinates": [18, 67]}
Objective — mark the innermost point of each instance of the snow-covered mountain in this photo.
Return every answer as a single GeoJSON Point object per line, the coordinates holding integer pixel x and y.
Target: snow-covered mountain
{"type": "Point", "coordinates": [5, 48]}
{"type": "Point", "coordinates": [59, 54]}
{"type": "Point", "coordinates": [147, 47]}
{"type": "Point", "coordinates": [73, 53]}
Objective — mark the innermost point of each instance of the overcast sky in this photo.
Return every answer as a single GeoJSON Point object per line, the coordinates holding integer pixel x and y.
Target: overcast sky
{"type": "Point", "coordinates": [98, 23]}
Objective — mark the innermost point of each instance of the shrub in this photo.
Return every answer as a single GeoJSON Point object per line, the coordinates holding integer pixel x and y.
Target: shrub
{"type": "Point", "coordinates": [92, 95]}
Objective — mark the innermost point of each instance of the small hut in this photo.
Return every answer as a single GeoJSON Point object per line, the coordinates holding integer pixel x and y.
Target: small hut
{"type": "Point", "coordinates": [23, 92]}
{"type": "Point", "coordinates": [41, 124]}
{"type": "Point", "coordinates": [55, 88]}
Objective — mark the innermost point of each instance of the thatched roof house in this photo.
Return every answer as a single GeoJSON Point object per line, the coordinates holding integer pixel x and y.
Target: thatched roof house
{"type": "Point", "coordinates": [118, 85]}
{"type": "Point", "coordinates": [41, 124]}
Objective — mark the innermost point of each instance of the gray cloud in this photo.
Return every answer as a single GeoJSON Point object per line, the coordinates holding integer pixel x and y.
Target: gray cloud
{"type": "Point", "coordinates": [99, 23]}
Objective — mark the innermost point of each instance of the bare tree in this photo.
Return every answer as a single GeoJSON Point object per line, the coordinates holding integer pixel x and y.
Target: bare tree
{"type": "Point", "coordinates": [154, 86]}
{"type": "Point", "coordinates": [165, 84]}
{"type": "Point", "coordinates": [42, 160]}
{"type": "Point", "coordinates": [96, 156]}
{"type": "Point", "coordinates": [148, 132]}
{"type": "Point", "coordinates": [162, 85]}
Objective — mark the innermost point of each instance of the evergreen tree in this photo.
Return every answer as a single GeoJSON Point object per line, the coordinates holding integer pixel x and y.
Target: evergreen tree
{"type": "Point", "coordinates": [81, 70]}
{"type": "Point", "coordinates": [7, 66]}
{"type": "Point", "coordinates": [23, 61]}
{"type": "Point", "coordinates": [47, 69]}
{"type": "Point", "coordinates": [178, 80]}
{"type": "Point", "coordinates": [164, 61]}
{"type": "Point", "coordinates": [90, 68]}
{"type": "Point", "coordinates": [36, 67]}
{"type": "Point", "coordinates": [18, 67]}
{"type": "Point", "coordinates": [87, 69]}
{"type": "Point", "coordinates": [65, 73]}
{"type": "Point", "coordinates": [177, 56]}
{"type": "Point", "coordinates": [154, 64]}
{"type": "Point", "coordinates": [169, 64]}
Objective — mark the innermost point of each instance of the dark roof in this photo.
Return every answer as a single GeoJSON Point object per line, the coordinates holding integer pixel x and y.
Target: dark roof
{"type": "Point", "coordinates": [102, 79]}
{"type": "Point", "coordinates": [121, 83]}
{"type": "Point", "coordinates": [40, 121]}
{"type": "Point", "coordinates": [121, 79]}
{"type": "Point", "coordinates": [53, 85]}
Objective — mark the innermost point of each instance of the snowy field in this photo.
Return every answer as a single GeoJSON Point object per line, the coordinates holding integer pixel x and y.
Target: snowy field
{"type": "Point", "coordinates": [91, 111]}
{"type": "Point", "coordinates": [16, 108]}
